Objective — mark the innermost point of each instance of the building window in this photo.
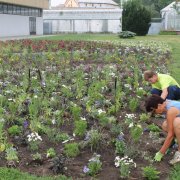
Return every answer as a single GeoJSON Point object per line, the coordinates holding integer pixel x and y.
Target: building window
{"type": "Point", "coordinates": [5, 9]}
{"type": "Point", "coordinates": [10, 9]}
{"type": "Point", "coordinates": [1, 8]}
{"type": "Point", "coordinates": [20, 10]}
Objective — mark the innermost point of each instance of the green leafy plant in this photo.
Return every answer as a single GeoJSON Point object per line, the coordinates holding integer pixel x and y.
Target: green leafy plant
{"type": "Point", "coordinates": [127, 34]}
{"type": "Point", "coordinates": [94, 139]}
{"type": "Point", "coordinates": [150, 173]}
{"type": "Point", "coordinates": [37, 156]}
{"type": "Point", "coordinates": [94, 165]}
{"type": "Point", "coordinates": [71, 150]}
{"type": "Point", "coordinates": [120, 147]}
{"type": "Point", "coordinates": [144, 117]}
{"type": "Point", "coordinates": [116, 128]}
{"type": "Point", "coordinates": [153, 128]}
{"type": "Point", "coordinates": [133, 104]}
{"type": "Point", "coordinates": [80, 127]}
{"type": "Point", "coordinates": [175, 172]}
{"type": "Point", "coordinates": [136, 132]}
{"type": "Point", "coordinates": [140, 92]}
{"type": "Point", "coordinates": [14, 130]}
{"type": "Point", "coordinates": [11, 154]}
{"type": "Point", "coordinates": [125, 165]}
{"type": "Point", "coordinates": [34, 141]}
{"type": "Point", "coordinates": [76, 111]}
{"type": "Point", "coordinates": [50, 153]}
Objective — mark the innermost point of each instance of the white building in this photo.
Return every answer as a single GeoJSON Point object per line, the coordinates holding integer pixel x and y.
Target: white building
{"type": "Point", "coordinates": [81, 16]}
{"type": "Point", "coordinates": [21, 17]}
{"type": "Point", "coordinates": [171, 17]}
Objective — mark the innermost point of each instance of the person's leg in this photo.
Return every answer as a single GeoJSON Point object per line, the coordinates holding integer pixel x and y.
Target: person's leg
{"type": "Point", "coordinates": [164, 126]}
{"type": "Point", "coordinates": [177, 94]}
{"type": "Point", "coordinates": [156, 91]}
{"type": "Point", "coordinates": [176, 125]}
{"type": "Point", "coordinates": [173, 93]}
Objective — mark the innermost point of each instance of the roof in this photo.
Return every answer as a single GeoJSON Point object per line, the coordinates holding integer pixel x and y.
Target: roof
{"type": "Point", "coordinates": [98, 2]}
{"type": "Point", "coordinates": [168, 8]}
{"type": "Point", "coordinates": [60, 2]}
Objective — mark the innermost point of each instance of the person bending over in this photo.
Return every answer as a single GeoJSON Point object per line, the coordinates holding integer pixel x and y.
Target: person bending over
{"type": "Point", "coordinates": [171, 125]}
{"type": "Point", "coordinates": [163, 85]}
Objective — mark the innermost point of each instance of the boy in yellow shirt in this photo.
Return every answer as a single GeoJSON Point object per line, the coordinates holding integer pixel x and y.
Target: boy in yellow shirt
{"type": "Point", "coordinates": [163, 85]}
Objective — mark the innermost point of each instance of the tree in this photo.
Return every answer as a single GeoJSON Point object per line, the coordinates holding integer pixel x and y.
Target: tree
{"type": "Point", "coordinates": [135, 17]}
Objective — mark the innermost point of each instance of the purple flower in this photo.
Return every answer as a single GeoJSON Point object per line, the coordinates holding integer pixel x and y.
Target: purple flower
{"type": "Point", "coordinates": [146, 130]}
{"type": "Point", "coordinates": [25, 124]}
{"type": "Point", "coordinates": [85, 169]}
{"type": "Point", "coordinates": [120, 137]}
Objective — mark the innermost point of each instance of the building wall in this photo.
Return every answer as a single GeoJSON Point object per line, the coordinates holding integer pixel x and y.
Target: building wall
{"type": "Point", "coordinates": [14, 25]}
{"type": "Point", "coordinates": [80, 21]}
{"type": "Point", "coordinates": [44, 4]}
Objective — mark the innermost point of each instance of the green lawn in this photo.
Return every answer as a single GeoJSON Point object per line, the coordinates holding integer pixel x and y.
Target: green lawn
{"type": "Point", "coordinates": [172, 40]}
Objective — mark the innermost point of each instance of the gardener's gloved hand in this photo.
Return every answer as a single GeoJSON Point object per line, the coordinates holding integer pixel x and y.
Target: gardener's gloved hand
{"type": "Point", "coordinates": [158, 156]}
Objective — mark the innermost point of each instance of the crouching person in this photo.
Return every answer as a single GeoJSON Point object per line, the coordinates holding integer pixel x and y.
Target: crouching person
{"type": "Point", "coordinates": [171, 125]}
{"type": "Point", "coordinates": [163, 85]}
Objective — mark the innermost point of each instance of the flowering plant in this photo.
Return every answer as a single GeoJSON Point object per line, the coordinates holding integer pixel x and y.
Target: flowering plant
{"type": "Point", "coordinates": [94, 165]}
{"type": "Point", "coordinates": [124, 164]}
{"type": "Point", "coordinates": [34, 140]}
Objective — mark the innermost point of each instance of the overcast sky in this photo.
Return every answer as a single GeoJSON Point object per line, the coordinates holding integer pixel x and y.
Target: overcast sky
{"type": "Point", "coordinates": [56, 2]}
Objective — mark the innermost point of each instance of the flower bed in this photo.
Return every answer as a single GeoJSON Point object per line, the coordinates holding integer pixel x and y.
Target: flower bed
{"type": "Point", "coordinates": [75, 108]}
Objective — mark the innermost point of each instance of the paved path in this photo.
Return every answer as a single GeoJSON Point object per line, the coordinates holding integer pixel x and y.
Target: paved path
{"type": "Point", "coordinates": [22, 37]}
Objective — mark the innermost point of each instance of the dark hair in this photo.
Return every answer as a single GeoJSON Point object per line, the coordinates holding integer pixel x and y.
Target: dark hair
{"type": "Point", "coordinates": [152, 102]}
{"type": "Point", "coordinates": [148, 74]}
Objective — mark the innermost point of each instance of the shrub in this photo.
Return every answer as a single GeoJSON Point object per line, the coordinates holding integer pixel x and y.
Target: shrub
{"type": "Point", "coordinates": [126, 34]}
{"type": "Point", "coordinates": [135, 18]}
{"type": "Point", "coordinates": [71, 150]}
{"type": "Point", "coordinates": [150, 173]}
{"type": "Point", "coordinates": [167, 33]}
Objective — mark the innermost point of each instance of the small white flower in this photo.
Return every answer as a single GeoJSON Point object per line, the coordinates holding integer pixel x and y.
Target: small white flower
{"type": "Point", "coordinates": [131, 125]}
{"type": "Point", "coordinates": [83, 118]}
{"type": "Point", "coordinates": [100, 111]}
{"type": "Point", "coordinates": [53, 121]}
{"type": "Point", "coordinates": [65, 141]}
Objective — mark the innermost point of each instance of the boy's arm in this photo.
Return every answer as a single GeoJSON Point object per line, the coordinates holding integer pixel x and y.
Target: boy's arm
{"type": "Point", "coordinates": [171, 115]}
{"type": "Point", "coordinates": [164, 93]}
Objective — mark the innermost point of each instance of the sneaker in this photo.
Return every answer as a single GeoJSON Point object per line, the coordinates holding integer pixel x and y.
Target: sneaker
{"type": "Point", "coordinates": [176, 158]}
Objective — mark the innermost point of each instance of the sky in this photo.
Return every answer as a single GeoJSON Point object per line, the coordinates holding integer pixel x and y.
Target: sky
{"type": "Point", "coordinates": [56, 2]}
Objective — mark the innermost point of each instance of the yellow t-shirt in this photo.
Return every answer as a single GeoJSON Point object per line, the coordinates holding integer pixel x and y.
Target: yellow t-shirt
{"type": "Point", "coordinates": [164, 81]}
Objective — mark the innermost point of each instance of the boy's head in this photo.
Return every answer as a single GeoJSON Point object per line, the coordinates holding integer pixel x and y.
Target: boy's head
{"type": "Point", "coordinates": [150, 76]}
{"type": "Point", "coordinates": [152, 102]}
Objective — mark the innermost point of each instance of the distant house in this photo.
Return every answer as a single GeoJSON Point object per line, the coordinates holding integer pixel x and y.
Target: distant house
{"type": "Point", "coordinates": [81, 16]}
{"type": "Point", "coordinates": [21, 17]}
{"type": "Point", "coordinates": [171, 17]}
